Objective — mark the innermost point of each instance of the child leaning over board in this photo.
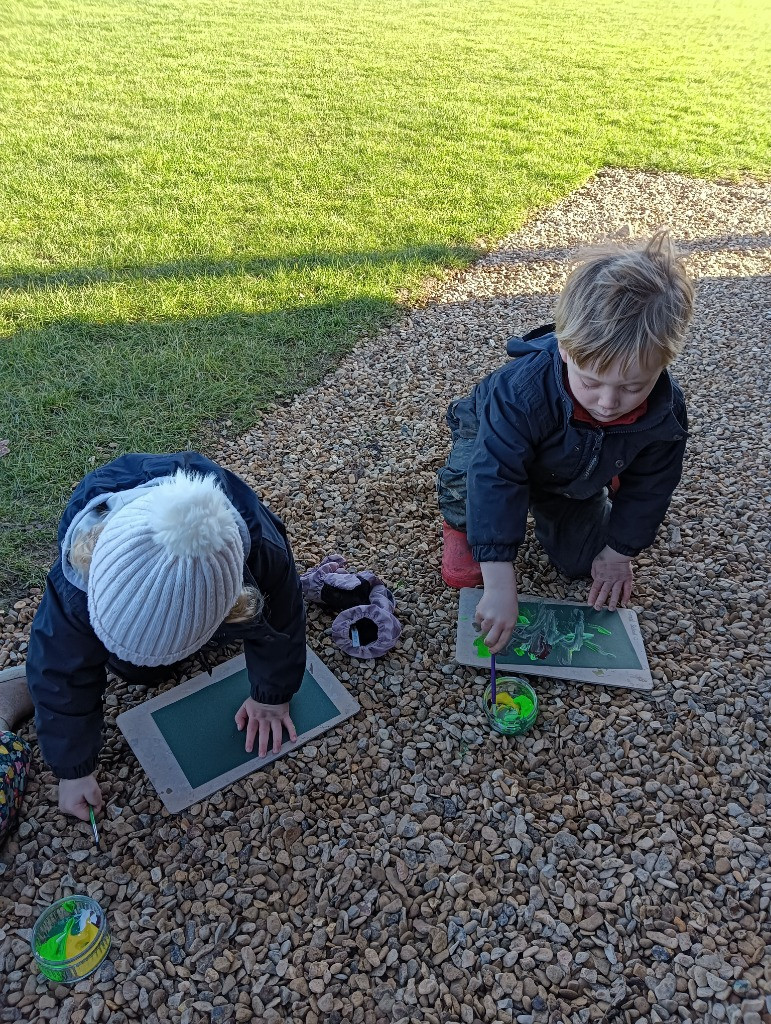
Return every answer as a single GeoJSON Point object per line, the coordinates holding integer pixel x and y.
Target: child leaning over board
{"type": "Point", "coordinates": [160, 554]}
{"type": "Point", "coordinates": [586, 403]}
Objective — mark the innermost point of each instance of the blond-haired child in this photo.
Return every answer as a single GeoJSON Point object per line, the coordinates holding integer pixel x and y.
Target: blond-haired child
{"type": "Point", "coordinates": [585, 402]}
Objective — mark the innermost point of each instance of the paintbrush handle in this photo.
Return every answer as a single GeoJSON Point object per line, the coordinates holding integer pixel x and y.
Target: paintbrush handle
{"type": "Point", "coordinates": [493, 694]}
{"type": "Point", "coordinates": [93, 823]}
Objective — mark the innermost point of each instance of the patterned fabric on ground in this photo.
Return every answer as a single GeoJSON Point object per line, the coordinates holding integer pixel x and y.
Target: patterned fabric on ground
{"type": "Point", "coordinates": [15, 757]}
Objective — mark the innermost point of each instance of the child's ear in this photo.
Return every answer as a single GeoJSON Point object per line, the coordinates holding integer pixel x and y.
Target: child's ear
{"type": "Point", "coordinates": [563, 353]}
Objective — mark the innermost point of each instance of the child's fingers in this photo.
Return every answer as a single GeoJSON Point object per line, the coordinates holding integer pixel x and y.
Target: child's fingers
{"type": "Point", "coordinates": [80, 810]}
{"type": "Point", "coordinates": [252, 730]}
{"type": "Point", "coordinates": [287, 721]}
{"type": "Point", "coordinates": [241, 718]}
{"type": "Point", "coordinates": [264, 737]}
{"type": "Point", "coordinates": [94, 797]}
{"type": "Point", "coordinates": [275, 728]}
{"type": "Point", "coordinates": [497, 639]}
{"type": "Point", "coordinates": [492, 636]}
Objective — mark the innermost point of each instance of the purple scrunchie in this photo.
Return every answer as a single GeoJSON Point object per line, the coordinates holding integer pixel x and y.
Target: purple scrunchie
{"type": "Point", "coordinates": [374, 623]}
{"type": "Point", "coordinates": [331, 572]}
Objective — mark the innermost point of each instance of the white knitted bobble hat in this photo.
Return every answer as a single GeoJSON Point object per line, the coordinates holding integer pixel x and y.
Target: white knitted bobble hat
{"type": "Point", "coordinates": [166, 570]}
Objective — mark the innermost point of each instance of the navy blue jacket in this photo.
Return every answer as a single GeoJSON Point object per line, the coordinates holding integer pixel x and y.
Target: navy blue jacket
{"type": "Point", "coordinates": [527, 439]}
{"type": "Point", "coordinates": [66, 660]}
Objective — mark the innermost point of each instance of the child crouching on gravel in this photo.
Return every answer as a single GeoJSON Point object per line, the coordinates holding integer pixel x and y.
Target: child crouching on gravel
{"type": "Point", "coordinates": [586, 402]}
{"type": "Point", "coordinates": [160, 554]}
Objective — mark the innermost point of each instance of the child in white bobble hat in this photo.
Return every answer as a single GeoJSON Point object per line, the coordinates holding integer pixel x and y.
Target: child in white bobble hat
{"type": "Point", "coordinates": [160, 554]}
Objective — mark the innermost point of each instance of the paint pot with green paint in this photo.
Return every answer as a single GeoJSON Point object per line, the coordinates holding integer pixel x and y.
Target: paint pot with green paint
{"type": "Point", "coordinates": [70, 939]}
{"type": "Point", "coordinates": [516, 706]}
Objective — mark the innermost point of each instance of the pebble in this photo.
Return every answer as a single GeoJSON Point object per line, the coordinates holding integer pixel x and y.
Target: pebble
{"type": "Point", "coordinates": [409, 861]}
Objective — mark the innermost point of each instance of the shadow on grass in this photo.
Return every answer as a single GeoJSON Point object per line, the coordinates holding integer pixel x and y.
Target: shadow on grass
{"type": "Point", "coordinates": [563, 254]}
{"type": "Point", "coordinates": [77, 394]}
{"type": "Point", "coordinates": [261, 267]}
{"type": "Point", "coordinates": [428, 255]}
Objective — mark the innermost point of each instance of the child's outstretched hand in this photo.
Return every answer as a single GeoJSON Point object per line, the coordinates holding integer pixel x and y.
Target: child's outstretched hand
{"type": "Point", "coordinates": [612, 575]}
{"type": "Point", "coordinates": [262, 721]}
{"type": "Point", "coordinates": [75, 796]}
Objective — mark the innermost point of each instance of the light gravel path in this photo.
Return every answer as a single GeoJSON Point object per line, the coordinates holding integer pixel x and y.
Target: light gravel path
{"type": "Point", "coordinates": [611, 866]}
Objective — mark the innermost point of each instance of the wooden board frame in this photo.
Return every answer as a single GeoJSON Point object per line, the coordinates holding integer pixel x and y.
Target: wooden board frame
{"type": "Point", "coordinates": [153, 753]}
{"type": "Point", "coordinates": [627, 678]}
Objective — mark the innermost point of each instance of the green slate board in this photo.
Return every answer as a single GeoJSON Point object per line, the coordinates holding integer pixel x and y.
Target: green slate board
{"type": "Point", "coordinates": [611, 651]}
{"type": "Point", "coordinates": [187, 740]}
{"type": "Point", "coordinates": [201, 732]}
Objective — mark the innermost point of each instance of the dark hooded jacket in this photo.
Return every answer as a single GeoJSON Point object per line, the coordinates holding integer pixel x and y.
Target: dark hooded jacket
{"type": "Point", "coordinates": [527, 439]}
{"type": "Point", "coordinates": [66, 662]}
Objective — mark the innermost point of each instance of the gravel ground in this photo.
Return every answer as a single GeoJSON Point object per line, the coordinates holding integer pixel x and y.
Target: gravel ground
{"type": "Point", "coordinates": [611, 866]}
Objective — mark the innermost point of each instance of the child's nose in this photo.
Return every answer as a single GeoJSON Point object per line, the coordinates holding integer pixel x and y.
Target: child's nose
{"type": "Point", "coordinates": [609, 399]}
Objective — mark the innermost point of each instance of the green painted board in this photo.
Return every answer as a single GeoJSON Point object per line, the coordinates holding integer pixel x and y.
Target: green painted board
{"type": "Point", "coordinates": [201, 732]}
{"type": "Point", "coordinates": [561, 640]}
{"type": "Point", "coordinates": [187, 741]}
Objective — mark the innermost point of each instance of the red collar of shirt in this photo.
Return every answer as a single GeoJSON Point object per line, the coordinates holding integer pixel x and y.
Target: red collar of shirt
{"type": "Point", "coordinates": [580, 414]}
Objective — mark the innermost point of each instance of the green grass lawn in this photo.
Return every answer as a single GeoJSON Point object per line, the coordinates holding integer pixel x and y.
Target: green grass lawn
{"type": "Point", "coordinates": [203, 203]}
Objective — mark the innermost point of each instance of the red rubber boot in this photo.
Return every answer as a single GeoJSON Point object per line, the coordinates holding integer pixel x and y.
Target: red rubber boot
{"type": "Point", "coordinates": [458, 566]}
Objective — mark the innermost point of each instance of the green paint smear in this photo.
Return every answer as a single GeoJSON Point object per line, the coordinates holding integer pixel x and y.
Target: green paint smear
{"type": "Point", "coordinates": [600, 629]}
{"type": "Point", "coordinates": [482, 650]}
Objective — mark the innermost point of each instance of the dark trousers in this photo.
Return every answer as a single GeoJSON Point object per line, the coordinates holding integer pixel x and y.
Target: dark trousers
{"type": "Point", "coordinates": [572, 532]}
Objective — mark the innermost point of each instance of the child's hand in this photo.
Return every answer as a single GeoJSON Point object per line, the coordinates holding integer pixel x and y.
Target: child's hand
{"type": "Point", "coordinates": [75, 796]}
{"type": "Point", "coordinates": [612, 574]}
{"type": "Point", "coordinates": [497, 611]}
{"type": "Point", "coordinates": [262, 721]}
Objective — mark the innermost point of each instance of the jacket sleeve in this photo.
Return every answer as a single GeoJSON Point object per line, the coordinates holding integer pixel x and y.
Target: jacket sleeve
{"type": "Point", "coordinates": [647, 486]}
{"type": "Point", "coordinates": [67, 679]}
{"type": "Point", "coordinates": [275, 660]}
{"type": "Point", "coordinates": [498, 480]}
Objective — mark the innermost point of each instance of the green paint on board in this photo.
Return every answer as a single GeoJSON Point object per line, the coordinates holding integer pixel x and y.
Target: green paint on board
{"type": "Point", "coordinates": [483, 651]}
{"type": "Point", "coordinates": [558, 635]}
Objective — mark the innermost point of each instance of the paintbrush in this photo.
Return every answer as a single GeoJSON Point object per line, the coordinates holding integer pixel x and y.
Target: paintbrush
{"type": "Point", "coordinates": [93, 824]}
{"type": "Point", "coordinates": [493, 695]}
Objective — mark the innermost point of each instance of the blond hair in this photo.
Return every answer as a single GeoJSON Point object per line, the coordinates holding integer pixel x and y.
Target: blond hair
{"type": "Point", "coordinates": [248, 603]}
{"type": "Point", "coordinates": [626, 304]}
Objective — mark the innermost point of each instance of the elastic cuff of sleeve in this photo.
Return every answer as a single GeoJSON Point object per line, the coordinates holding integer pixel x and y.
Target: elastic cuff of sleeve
{"type": "Point", "coordinates": [486, 553]}
{"type": "Point", "coordinates": [79, 771]}
{"type": "Point", "coordinates": [623, 549]}
{"type": "Point", "coordinates": [271, 697]}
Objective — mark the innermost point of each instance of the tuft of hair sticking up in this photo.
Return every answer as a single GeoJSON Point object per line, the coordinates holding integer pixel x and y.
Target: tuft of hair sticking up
{"type": "Point", "coordinates": [190, 518]}
{"type": "Point", "coordinates": [625, 305]}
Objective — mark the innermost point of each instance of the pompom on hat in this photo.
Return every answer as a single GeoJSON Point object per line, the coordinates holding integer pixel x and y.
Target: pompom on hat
{"type": "Point", "coordinates": [166, 571]}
